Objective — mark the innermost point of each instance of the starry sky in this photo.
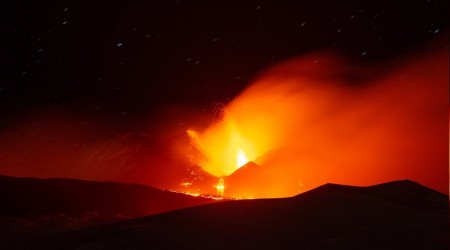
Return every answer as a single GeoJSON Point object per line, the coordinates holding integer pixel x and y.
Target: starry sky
{"type": "Point", "coordinates": [123, 61]}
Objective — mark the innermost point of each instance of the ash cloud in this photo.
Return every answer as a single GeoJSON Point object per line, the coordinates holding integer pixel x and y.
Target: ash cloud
{"type": "Point", "coordinates": [307, 121]}
{"type": "Point", "coordinates": [317, 119]}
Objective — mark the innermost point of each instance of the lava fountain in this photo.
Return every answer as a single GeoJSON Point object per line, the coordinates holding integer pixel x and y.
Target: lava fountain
{"type": "Point", "coordinates": [320, 119]}
{"type": "Point", "coordinates": [225, 146]}
{"type": "Point", "coordinates": [241, 158]}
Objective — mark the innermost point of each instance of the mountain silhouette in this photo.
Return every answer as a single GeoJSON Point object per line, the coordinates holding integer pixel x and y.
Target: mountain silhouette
{"type": "Point", "coordinates": [331, 216]}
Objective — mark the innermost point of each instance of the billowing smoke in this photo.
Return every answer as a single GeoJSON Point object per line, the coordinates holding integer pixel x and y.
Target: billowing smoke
{"type": "Point", "coordinates": [308, 121]}
{"type": "Point", "coordinates": [318, 119]}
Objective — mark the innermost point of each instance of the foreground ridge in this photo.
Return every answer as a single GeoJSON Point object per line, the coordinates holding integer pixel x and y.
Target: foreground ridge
{"type": "Point", "coordinates": [401, 214]}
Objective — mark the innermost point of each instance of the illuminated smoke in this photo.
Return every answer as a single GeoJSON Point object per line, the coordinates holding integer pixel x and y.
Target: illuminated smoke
{"type": "Point", "coordinates": [300, 124]}
{"type": "Point", "coordinates": [318, 119]}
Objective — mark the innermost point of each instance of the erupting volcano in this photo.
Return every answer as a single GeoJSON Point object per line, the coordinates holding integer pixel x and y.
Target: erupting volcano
{"type": "Point", "coordinates": [303, 124]}
{"type": "Point", "coordinates": [297, 125]}
{"type": "Point", "coordinates": [224, 124]}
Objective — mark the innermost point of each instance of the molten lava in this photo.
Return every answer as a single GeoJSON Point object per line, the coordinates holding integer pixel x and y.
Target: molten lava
{"type": "Point", "coordinates": [225, 146]}
{"type": "Point", "coordinates": [307, 121]}
{"type": "Point", "coordinates": [220, 187]}
{"type": "Point", "coordinates": [241, 159]}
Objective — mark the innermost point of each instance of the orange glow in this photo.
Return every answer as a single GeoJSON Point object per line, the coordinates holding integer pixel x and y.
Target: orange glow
{"type": "Point", "coordinates": [186, 184]}
{"type": "Point", "coordinates": [225, 146]}
{"type": "Point", "coordinates": [241, 159]}
{"type": "Point", "coordinates": [192, 194]}
{"type": "Point", "coordinates": [303, 122]}
{"type": "Point", "coordinates": [220, 187]}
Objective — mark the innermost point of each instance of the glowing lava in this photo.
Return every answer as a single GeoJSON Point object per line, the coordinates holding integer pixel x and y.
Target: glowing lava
{"type": "Point", "coordinates": [241, 159]}
{"type": "Point", "coordinates": [220, 187]}
{"type": "Point", "coordinates": [319, 119]}
{"type": "Point", "coordinates": [225, 146]}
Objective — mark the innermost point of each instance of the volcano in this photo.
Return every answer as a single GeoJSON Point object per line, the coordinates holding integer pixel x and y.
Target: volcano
{"type": "Point", "coordinates": [395, 215]}
{"type": "Point", "coordinates": [258, 181]}
{"type": "Point", "coordinates": [34, 205]}
{"type": "Point", "coordinates": [126, 158]}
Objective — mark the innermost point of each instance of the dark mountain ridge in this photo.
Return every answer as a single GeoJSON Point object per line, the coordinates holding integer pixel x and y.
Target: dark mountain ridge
{"type": "Point", "coordinates": [329, 217]}
{"type": "Point", "coordinates": [31, 205]}
{"type": "Point", "coordinates": [27, 196]}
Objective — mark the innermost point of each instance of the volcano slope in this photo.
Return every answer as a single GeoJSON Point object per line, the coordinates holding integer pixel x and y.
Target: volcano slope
{"type": "Point", "coordinates": [30, 205]}
{"type": "Point", "coordinates": [394, 215]}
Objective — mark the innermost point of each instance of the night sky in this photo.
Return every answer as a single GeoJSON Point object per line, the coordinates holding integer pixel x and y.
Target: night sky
{"type": "Point", "coordinates": [125, 61]}
{"type": "Point", "coordinates": [128, 90]}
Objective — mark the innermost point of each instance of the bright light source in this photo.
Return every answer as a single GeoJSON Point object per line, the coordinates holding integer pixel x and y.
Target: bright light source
{"type": "Point", "coordinates": [241, 159]}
